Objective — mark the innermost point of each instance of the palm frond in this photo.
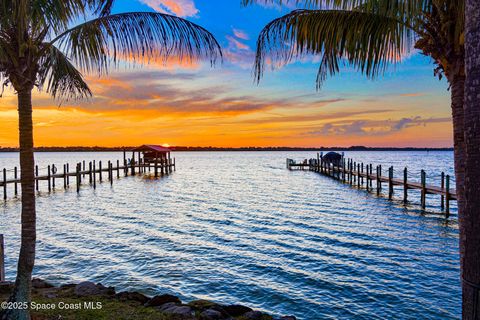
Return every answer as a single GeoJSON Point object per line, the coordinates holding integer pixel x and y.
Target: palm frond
{"type": "Point", "coordinates": [410, 6]}
{"type": "Point", "coordinates": [407, 11]}
{"type": "Point", "coordinates": [59, 77]}
{"type": "Point", "coordinates": [367, 41]}
{"type": "Point", "coordinates": [139, 36]}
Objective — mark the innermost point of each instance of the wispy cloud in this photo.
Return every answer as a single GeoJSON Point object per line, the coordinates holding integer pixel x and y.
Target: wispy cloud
{"type": "Point", "coordinates": [238, 52]}
{"type": "Point", "coordinates": [413, 94]}
{"type": "Point", "coordinates": [240, 34]}
{"type": "Point", "coordinates": [372, 127]}
{"type": "Point", "coordinates": [181, 8]}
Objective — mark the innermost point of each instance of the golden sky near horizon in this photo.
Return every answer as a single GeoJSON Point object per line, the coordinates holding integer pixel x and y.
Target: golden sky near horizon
{"type": "Point", "coordinates": [145, 107]}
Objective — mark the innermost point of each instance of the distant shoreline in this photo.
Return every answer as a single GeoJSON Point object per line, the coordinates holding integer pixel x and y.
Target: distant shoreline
{"type": "Point", "coordinates": [217, 149]}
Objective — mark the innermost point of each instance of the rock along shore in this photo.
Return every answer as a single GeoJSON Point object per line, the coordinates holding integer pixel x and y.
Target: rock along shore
{"type": "Point", "coordinates": [126, 305]}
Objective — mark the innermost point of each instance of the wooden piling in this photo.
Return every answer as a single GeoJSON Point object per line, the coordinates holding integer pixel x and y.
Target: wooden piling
{"type": "Point", "coordinates": [371, 175]}
{"type": "Point", "coordinates": [379, 183]}
{"type": "Point", "coordinates": [368, 178]}
{"type": "Point", "coordinates": [362, 173]}
{"type": "Point", "coordinates": [442, 202]}
{"type": "Point", "coordinates": [54, 172]}
{"type": "Point", "coordinates": [405, 185]}
{"type": "Point", "coordinates": [111, 173]}
{"type": "Point", "coordinates": [423, 196]}
{"type": "Point", "coordinates": [49, 176]}
{"type": "Point", "coordinates": [358, 175]}
{"type": "Point", "coordinates": [2, 259]}
{"type": "Point", "coordinates": [4, 184]}
{"type": "Point", "coordinates": [390, 183]}
{"type": "Point", "coordinates": [68, 174]}
{"type": "Point", "coordinates": [15, 176]}
{"type": "Point", "coordinates": [36, 177]}
{"type": "Point", "coordinates": [133, 164]}
{"type": "Point", "coordinates": [94, 175]}
{"type": "Point", "coordinates": [118, 169]}
{"type": "Point", "coordinates": [100, 173]}
{"type": "Point", "coordinates": [90, 174]}
{"type": "Point", "coordinates": [351, 171]}
{"type": "Point", "coordinates": [77, 174]}
{"type": "Point", "coordinates": [65, 176]}
{"type": "Point", "coordinates": [447, 195]}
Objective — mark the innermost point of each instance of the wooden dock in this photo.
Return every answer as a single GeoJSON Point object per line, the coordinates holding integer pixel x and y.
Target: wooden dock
{"type": "Point", "coordinates": [364, 176]}
{"type": "Point", "coordinates": [91, 172]}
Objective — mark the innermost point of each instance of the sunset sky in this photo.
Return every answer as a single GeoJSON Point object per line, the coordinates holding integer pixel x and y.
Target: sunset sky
{"type": "Point", "coordinates": [196, 105]}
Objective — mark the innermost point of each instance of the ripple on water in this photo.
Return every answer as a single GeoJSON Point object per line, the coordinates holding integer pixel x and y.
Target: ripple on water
{"type": "Point", "coordinates": [239, 228]}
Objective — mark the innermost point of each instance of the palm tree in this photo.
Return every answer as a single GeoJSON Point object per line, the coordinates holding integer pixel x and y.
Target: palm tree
{"type": "Point", "coordinates": [40, 48]}
{"type": "Point", "coordinates": [469, 226]}
{"type": "Point", "coordinates": [370, 35]}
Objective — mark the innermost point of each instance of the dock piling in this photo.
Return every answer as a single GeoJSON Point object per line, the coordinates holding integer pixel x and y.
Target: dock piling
{"type": "Point", "coordinates": [4, 184]}
{"type": "Point", "coordinates": [423, 196]}
{"type": "Point", "coordinates": [77, 174]}
{"type": "Point", "coordinates": [65, 176]}
{"type": "Point", "coordinates": [94, 175]}
{"type": "Point", "coordinates": [90, 176]}
{"type": "Point", "coordinates": [390, 183]}
{"type": "Point", "coordinates": [49, 176]}
{"type": "Point", "coordinates": [110, 165]}
{"type": "Point", "coordinates": [379, 183]}
{"type": "Point", "coordinates": [447, 195]}
{"type": "Point", "coordinates": [15, 177]}
{"type": "Point", "coordinates": [118, 169]}
{"type": "Point", "coordinates": [36, 177]}
{"type": "Point", "coordinates": [405, 185]}
{"type": "Point", "coordinates": [54, 172]}
{"type": "Point", "coordinates": [442, 201]}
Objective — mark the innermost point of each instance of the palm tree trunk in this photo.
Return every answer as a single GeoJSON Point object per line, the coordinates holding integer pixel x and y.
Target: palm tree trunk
{"type": "Point", "coordinates": [470, 222]}
{"type": "Point", "coordinates": [22, 290]}
{"type": "Point", "coordinates": [457, 83]}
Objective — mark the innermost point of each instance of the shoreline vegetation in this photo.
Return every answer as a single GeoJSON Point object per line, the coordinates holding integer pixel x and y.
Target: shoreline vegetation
{"type": "Point", "coordinates": [214, 149]}
{"type": "Point", "coordinates": [90, 301]}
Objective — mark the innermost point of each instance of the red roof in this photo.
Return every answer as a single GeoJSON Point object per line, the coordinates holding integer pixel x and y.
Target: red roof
{"type": "Point", "coordinates": [151, 147]}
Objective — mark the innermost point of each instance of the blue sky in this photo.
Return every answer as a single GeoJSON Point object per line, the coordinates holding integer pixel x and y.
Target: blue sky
{"type": "Point", "coordinates": [183, 104]}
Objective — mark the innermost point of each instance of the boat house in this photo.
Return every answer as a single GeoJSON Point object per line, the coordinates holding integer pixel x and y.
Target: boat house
{"type": "Point", "coordinates": [153, 153]}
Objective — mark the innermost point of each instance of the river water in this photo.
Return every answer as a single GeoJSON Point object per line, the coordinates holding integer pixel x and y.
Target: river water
{"type": "Point", "coordinates": [237, 227]}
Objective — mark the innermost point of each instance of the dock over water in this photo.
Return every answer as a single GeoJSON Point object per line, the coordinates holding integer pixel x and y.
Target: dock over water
{"type": "Point", "coordinates": [147, 159]}
{"type": "Point", "coordinates": [364, 176]}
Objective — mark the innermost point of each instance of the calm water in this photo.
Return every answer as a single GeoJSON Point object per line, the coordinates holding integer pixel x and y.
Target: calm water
{"type": "Point", "coordinates": [240, 228]}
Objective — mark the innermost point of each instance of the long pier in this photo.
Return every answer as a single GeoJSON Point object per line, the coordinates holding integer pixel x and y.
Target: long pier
{"type": "Point", "coordinates": [92, 172]}
{"type": "Point", "coordinates": [363, 175]}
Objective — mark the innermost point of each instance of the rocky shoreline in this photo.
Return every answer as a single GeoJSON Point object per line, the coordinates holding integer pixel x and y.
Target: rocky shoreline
{"type": "Point", "coordinates": [165, 306]}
